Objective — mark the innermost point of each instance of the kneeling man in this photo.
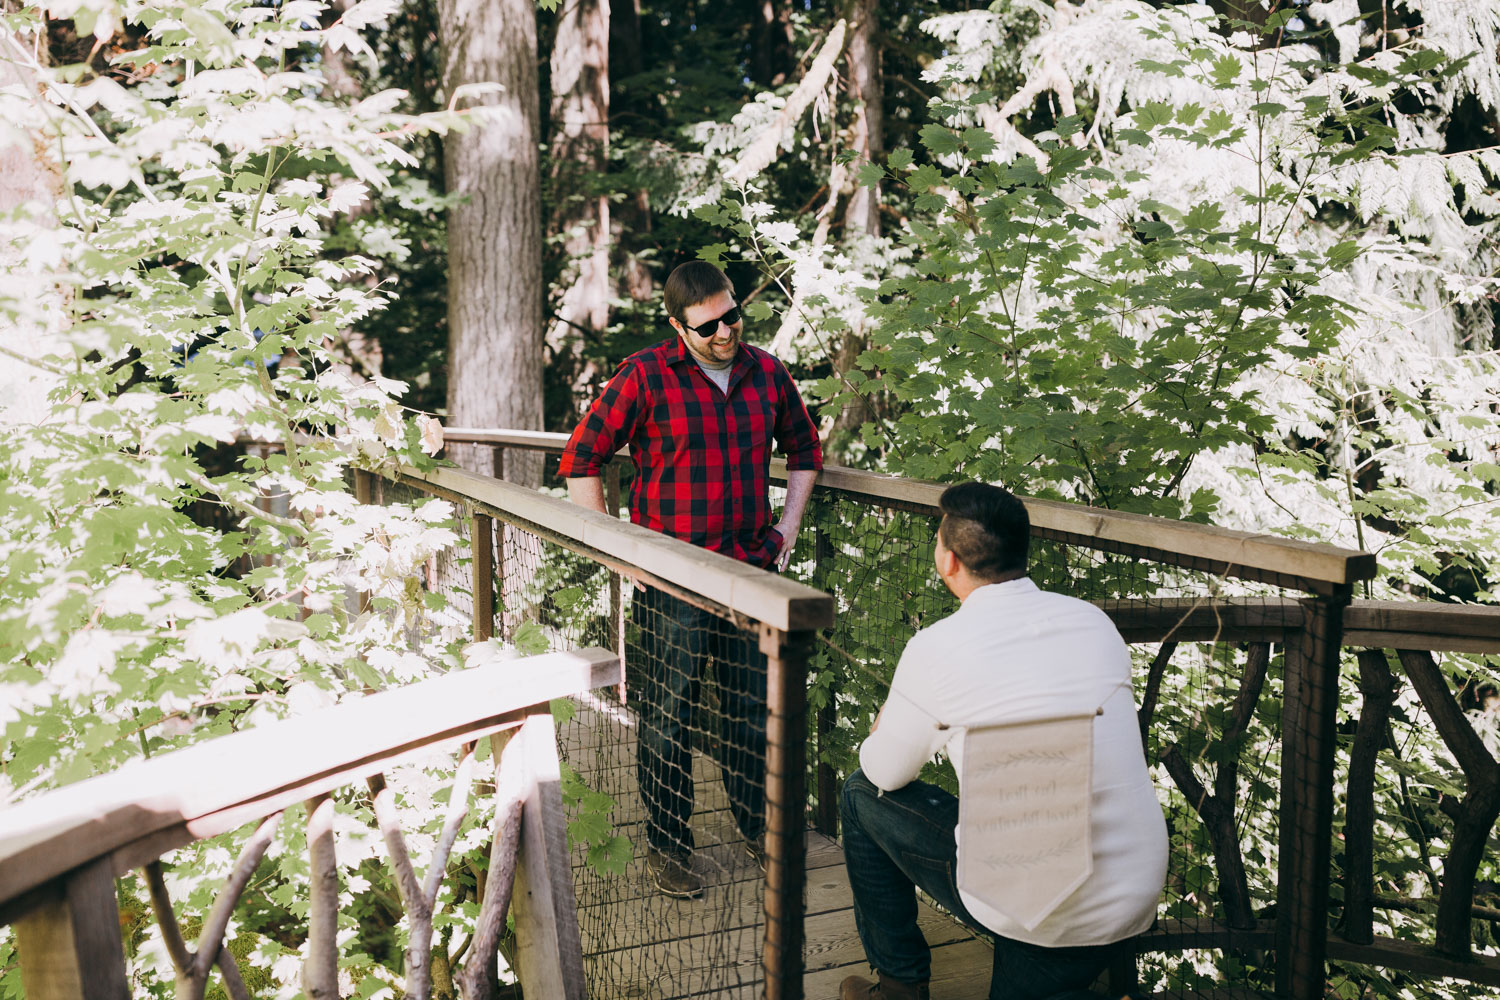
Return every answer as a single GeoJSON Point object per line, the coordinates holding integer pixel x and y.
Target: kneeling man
{"type": "Point", "coordinates": [1011, 653]}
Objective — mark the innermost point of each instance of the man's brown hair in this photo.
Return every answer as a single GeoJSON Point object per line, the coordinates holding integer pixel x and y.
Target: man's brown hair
{"type": "Point", "coordinates": [692, 283]}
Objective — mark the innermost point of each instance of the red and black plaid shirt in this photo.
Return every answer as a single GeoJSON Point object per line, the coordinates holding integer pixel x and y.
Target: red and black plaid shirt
{"type": "Point", "coordinates": [701, 456]}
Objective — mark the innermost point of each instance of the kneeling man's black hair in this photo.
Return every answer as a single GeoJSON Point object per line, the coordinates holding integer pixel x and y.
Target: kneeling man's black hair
{"type": "Point", "coordinates": [986, 527]}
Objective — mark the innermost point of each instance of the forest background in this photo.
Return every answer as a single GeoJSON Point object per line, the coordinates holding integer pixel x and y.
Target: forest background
{"type": "Point", "coordinates": [1231, 262]}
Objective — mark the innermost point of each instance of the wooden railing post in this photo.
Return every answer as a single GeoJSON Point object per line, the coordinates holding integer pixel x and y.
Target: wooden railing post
{"type": "Point", "coordinates": [364, 492]}
{"type": "Point", "coordinates": [549, 950]}
{"type": "Point", "coordinates": [1378, 687]}
{"type": "Point", "coordinates": [482, 550]}
{"type": "Point", "coordinates": [70, 946]}
{"type": "Point", "coordinates": [1310, 697]}
{"type": "Point", "coordinates": [786, 805]}
{"type": "Point", "coordinates": [826, 821]}
{"type": "Point", "coordinates": [616, 588]}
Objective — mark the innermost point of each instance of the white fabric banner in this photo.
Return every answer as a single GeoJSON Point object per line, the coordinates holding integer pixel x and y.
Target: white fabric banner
{"type": "Point", "coordinates": [1023, 814]}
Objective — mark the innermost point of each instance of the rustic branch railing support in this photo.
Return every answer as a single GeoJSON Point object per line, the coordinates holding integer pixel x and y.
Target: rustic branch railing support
{"type": "Point", "coordinates": [177, 950]}
{"type": "Point", "coordinates": [1310, 694]}
{"type": "Point", "coordinates": [1217, 809]}
{"type": "Point", "coordinates": [1378, 687]}
{"type": "Point", "coordinates": [1147, 713]}
{"type": "Point", "coordinates": [477, 980]}
{"type": "Point", "coordinates": [826, 820]}
{"type": "Point", "coordinates": [193, 967]}
{"type": "Point", "coordinates": [413, 898]}
{"type": "Point", "coordinates": [320, 969]}
{"type": "Point", "coordinates": [1476, 815]}
{"type": "Point", "coordinates": [616, 582]}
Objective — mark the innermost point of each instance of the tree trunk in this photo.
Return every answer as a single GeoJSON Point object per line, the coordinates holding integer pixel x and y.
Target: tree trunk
{"type": "Point", "coordinates": [867, 91]}
{"type": "Point", "coordinates": [625, 38]}
{"type": "Point", "coordinates": [633, 275]}
{"type": "Point", "coordinates": [28, 177]}
{"type": "Point", "coordinates": [580, 151]}
{"type": "Point", "coordinates": [771, 43]}
{"type": "Point", "coordinates": [494, 237]}
{"type": "Point", "coordinates": [338, 64]}
{"type": "Point", "coordinates": [862, 215]}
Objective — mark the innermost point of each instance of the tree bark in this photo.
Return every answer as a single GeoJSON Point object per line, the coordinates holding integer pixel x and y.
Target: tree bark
{"type": "Point", "coordinates": [867, 91]}
{"type": "Point", "coordinates": [862, 213]}
{"type": "Point", "coordinates": [580, 152]}
{"type": "Point", "coordinates": [625, 38]}
{"type": "Point", "coordinates": [771, 43]}
{"type": "Point", "coordinates": [338, 64]}
{"type": "Point", "coordinates": [494, 237]}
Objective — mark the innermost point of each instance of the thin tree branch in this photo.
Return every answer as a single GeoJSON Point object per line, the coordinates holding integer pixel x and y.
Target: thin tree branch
{"type": "Point", "coordinates": [182, 959]}
{"type": "Point", "coordinates": [320, 970]}
{"type": "Point", "coordinates": [229, 970]}
{"type": "Point", "coordinates": [458, 809]}
{"type": "Point", "coordinates": [1153, 687]}
{"type": "Point", "coordinates": [45, 366]}
{"type": "Point", "coordinates": [413, 896]}
{"type": "Point", "coordinates": [477, 978]}
{"type": "Point", "coordinates": [1453, 726]}
{"type": "Point", "coordinates": [166, 918]}
{"type": "Point", "coordinates": [212, 937]}
{"type": "Point", "coordinates": [761, 153]}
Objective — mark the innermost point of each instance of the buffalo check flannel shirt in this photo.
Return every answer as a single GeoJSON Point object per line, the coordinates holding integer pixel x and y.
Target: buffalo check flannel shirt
{"type": "Point", "coordinates": [702, 456]}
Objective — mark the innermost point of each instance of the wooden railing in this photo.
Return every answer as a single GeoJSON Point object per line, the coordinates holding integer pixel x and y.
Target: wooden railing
{"type": "Point", "coordinates": [783, 614]}
{"type": "Point", "coordinates": [1312, 631]}
{"type": "Point", "coordinates": [61, 852]}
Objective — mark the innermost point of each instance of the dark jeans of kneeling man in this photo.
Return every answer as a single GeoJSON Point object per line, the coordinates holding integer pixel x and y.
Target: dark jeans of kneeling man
{"type": "Point", "coordinates": [901, 841]}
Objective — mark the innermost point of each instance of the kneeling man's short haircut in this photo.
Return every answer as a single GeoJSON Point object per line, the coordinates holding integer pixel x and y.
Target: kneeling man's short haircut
{"type": "Point", "coordinates": [986, 527]}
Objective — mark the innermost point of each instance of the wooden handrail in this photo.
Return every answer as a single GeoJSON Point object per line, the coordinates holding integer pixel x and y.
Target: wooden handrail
{"type": "Point", "coordinates": [765, 597]}
{"type": "Point", "coordinates": [1427, 625]}
{"type": "Point", "coordinates": [1234, 553]}
{"type": "Point", "coordinates": [146, 808]}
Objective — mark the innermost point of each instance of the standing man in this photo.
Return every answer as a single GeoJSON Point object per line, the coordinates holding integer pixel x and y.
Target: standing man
{"type": "Point", "coordinates": [1010, 653]}
{"type": "Point", "coordinates": [699, 412]}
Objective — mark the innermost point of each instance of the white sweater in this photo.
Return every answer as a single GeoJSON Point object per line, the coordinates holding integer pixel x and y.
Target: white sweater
{"type": "Point", "coordinates": [1013, 652]}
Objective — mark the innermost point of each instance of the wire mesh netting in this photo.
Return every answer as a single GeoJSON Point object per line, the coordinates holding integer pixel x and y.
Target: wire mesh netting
{"type": "Point", "coordinates": [1212, 700]}
{"type": "Point", "coordinates": [664, 781]}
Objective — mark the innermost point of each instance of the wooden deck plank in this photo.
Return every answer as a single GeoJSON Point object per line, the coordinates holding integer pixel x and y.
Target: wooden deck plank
{"type": "Point", "coordinates": [720, 963]}
{"type": "Point", "coordinates": [960, 971]}
{"type": "Point", "coordinates": [651, 917]}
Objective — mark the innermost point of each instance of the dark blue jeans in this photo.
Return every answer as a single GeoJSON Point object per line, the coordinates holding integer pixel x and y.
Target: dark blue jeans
{"type": "Point", "coordinates": [901, 841]}
{"type": "Point", "coordinates": [676, 641]}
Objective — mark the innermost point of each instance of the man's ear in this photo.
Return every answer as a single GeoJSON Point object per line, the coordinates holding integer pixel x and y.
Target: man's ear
{"type": "Point", "coordinates": [948, 563]}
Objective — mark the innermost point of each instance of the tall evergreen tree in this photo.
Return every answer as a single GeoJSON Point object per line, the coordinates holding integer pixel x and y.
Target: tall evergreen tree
{"type": "Point", "coordinates": [495, 285]}
{"type": "Point", "coordinates": [579, 218]}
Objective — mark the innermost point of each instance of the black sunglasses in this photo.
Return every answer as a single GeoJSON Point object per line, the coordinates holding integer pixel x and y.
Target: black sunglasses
{"type": "Point", "coordinates": [712, 326]}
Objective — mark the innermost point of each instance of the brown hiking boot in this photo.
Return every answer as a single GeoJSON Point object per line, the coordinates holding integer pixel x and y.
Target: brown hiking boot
{"type": "Point", "coordinates": [755, 847]}
{"type": "Point", "coordinates": [857, 988]}
{"type": "Point", "coordinates": [673, 875]}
